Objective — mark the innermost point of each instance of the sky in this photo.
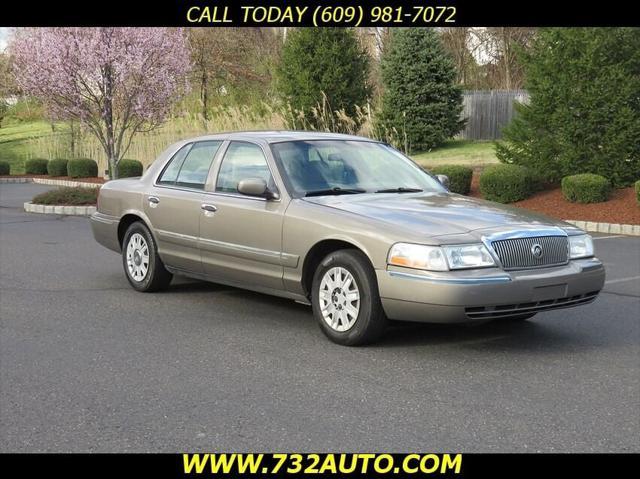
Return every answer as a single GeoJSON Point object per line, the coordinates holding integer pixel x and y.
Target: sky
{"type": "Point", "coordinates": [4, 32]}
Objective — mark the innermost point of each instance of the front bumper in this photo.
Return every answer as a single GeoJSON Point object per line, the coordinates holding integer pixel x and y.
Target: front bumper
{"type": "Point", "coordinates": [460, 296]}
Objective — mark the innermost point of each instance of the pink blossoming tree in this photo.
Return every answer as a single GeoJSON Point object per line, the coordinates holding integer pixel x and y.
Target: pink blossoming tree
{"type": "Point", "coordinates": [116, 81]}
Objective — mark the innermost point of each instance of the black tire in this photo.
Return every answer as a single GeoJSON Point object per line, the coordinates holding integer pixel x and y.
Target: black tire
{"type": "Point", "coordinates": [371, 320]}
{"type": "Point", "coordinates": [157, 277]}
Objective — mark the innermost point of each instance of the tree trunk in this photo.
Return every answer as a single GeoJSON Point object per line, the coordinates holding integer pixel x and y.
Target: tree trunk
{"type": "Point", "coordinates": [72, 131]}
{"type": "Point", "coordinates": [506, 57]}
{"type": "Point", "coordinates": [507, 68]}
{"type": "Point", "coordinates": [113, 168]}
{"type": "Point", "coordinates": [204, 94]}
{"type": "Point", "coordinates": [108, 122]}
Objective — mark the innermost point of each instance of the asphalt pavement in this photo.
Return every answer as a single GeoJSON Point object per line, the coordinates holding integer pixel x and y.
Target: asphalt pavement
{"type": "Point", "coordinates": [87, 364]}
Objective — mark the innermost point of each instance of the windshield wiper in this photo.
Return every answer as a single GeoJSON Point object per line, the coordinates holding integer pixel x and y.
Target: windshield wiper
{"type": "Point", "coordinates": [335, 191]}
{"type": "Point", "coordinates": [401, 189]}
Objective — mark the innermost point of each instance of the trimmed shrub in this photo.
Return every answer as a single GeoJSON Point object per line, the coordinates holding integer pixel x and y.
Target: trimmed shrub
{"type": "Point", "coordinates": [82, 168]}
{"type": "Point", "coordinates": [586, 188]}
{"type": "Point", "coordinates": [638, 191]}
{"type": "Point", "coordinates": [5, 168]}
{"type": "Point", "coordinates": [74, 196]}
{"type": "Point", "coordinates": [36, 166]}
{"type": "Point", "coordinates": [459, 177]}
{"type": "Point", "coordinates": [57, 167]}
{"type": "Point", "coordinates": [506, 183]}
{"type": "Point", "coordinates": [129, 168]}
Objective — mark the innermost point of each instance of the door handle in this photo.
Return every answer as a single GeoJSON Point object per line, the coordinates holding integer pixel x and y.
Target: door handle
{"type": "Point", "coordinates": [153, 199]}
{"type": "Point", "coordinates": [209, 208]}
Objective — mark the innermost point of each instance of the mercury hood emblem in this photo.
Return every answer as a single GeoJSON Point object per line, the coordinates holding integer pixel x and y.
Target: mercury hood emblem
{"type": "Point", "coordinates": [536, 250]}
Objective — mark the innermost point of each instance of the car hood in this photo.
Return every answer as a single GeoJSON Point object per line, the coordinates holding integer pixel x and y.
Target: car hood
{"type": "Point", "coordinates": [436, 214]}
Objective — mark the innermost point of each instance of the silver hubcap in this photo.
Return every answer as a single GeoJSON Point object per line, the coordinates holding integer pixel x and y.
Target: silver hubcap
{"type": "Point", "coordinates": [137, 257]}
{"type": "Point", "coordinates": [339, 299]}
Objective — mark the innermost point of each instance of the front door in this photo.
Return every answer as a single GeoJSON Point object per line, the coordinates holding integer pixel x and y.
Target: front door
{"type": "Point", "coordinates": [174, 205]}
{"type": "Point", "coordinates": [241, 236]}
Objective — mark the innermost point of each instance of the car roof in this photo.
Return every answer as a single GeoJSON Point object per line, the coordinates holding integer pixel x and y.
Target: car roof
{"type": "Point", "coordinates": [276, 136]}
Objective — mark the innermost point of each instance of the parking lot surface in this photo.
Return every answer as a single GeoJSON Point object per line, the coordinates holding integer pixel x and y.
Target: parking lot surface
{"type": "Point", "coordinates": [87, 364]}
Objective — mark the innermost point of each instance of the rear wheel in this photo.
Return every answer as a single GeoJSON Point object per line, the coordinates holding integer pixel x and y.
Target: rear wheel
{"type": "Point", "coordinates": [142, 265]}
{"type": "Point", "coordinates": [345, 299]}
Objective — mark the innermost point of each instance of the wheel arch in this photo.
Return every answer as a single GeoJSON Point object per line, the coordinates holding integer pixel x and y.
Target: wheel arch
{"type": "Point", "coordinates": [319, 251]}
{"type": "Point", "coordinates": [127, 219]}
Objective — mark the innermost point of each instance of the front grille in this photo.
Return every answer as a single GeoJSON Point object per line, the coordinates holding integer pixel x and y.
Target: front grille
{"type": "Point", "coordinates": [517, 253]}
{"type": "Point", "coordinates": [506, 310]}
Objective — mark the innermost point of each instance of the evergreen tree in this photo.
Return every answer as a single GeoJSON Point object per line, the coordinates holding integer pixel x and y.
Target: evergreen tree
{"type": "Point", "coordinates": [584, 113]}
{"type": "Point", "coordinates": [326, 68]}
{"type": "Point", "coordinates": [421, 102]}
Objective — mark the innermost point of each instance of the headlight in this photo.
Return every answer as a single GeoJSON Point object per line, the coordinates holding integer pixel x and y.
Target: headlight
{"type": "Point", "coordinates": [436, 258]}
{"type": "Point", "coordinates": [580, 246]}
{"type": "Point", "coordinates": [468, 256]}
{"type": "Point", "coordinates": [417, 256]}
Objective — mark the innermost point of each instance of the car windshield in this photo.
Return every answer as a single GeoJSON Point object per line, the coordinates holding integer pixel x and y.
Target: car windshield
{"type": "Point", "coordinates": [331, 167]}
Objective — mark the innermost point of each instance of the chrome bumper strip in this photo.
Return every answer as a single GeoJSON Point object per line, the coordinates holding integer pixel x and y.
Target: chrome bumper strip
{"type": "Point", "coordinates": [503, 278]}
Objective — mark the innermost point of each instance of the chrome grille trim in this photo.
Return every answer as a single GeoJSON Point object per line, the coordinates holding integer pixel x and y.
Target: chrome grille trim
{"type": "Point", "coordinates": [507, 310]}
{"type": "Point", "coordinates": [515, 253]}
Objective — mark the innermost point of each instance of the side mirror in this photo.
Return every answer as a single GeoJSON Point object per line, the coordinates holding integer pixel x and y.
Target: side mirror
{"type": "Point", "coordinates": [444, 180]}
{"type": "Point", "coordinates": [256, 187]}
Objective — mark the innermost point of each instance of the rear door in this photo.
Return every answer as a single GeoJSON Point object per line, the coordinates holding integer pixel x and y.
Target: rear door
{"type": "Point", "coordinates": [174, 204]}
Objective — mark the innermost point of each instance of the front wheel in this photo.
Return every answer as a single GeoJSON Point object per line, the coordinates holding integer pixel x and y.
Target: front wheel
{"type": "Point", "coordinates": [142, 265]}
{"type": "Point", "coordinates": [345, 299]}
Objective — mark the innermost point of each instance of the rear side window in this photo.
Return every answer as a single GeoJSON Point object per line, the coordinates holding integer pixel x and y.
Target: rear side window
{"type": "Point", "coordinates": [191, 167]}
{"type": "Point", "coordinates": [170, 173]}
{"type": "Point", "coordinates": [195, 167]}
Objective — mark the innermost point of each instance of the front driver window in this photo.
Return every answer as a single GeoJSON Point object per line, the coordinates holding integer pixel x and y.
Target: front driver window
{"type": "Point", "coordinates": [242, 161]}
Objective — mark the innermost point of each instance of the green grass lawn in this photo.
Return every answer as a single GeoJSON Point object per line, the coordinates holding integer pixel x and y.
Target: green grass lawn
{"type": "Point", "coordinates": [15, 141]}
{"type": "Point", "coordinates": [459, 152]}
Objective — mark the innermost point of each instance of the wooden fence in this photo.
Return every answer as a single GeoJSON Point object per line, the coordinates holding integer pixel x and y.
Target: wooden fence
{"type": "Point", "coordinates": [487, 111]}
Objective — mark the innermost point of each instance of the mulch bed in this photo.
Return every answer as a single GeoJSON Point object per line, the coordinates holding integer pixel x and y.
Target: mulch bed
{"type": "Point", "coordinates": [621, 207]}
{"type": "Point", "coordinates": [93, 179]}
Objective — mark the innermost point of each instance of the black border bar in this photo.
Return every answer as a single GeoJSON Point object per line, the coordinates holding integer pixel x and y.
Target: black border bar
{"type": "Point", "coordinates": [161, 466]}
{"type": "Point", "coordinates": [174, 12]}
